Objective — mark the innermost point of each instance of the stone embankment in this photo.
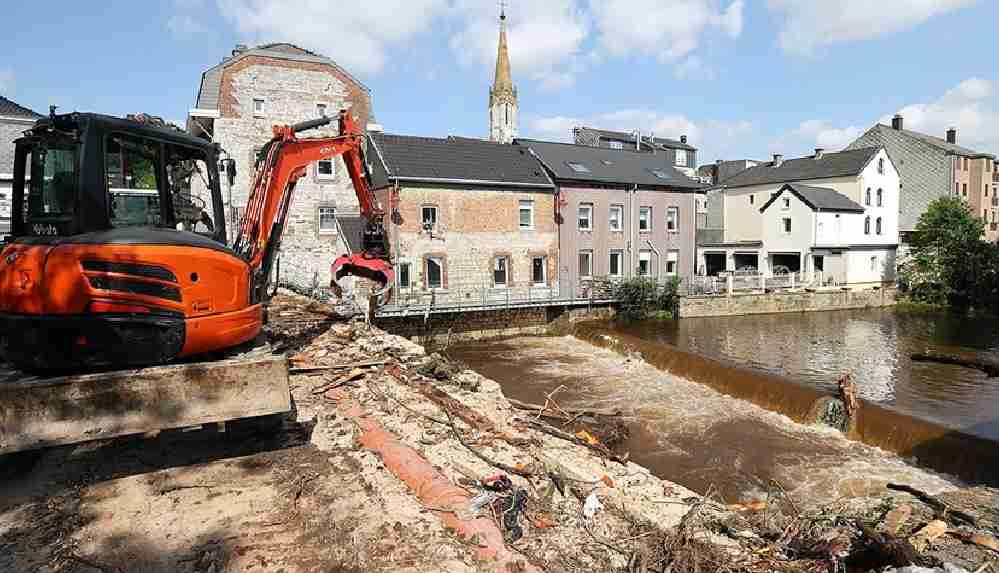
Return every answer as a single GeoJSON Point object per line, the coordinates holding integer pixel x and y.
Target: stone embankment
{"type": "Point", "coordinates": [394, 460]}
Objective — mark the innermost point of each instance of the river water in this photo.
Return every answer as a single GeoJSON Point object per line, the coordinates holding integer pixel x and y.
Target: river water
{"type": "Point", "coordinates": [874, 345]}
{"type": "Point", "coordinates": [691, 434]}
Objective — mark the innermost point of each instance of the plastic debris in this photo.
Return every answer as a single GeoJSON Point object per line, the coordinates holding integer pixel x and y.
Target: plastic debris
{"type": "Point", "coordinates": [591, 506]}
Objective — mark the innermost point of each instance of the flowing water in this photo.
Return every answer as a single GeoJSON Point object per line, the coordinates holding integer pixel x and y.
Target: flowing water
{"type": "Point", "coordinates": [688, 432]}
{"type": "Point", "coordinates": [875, 345]}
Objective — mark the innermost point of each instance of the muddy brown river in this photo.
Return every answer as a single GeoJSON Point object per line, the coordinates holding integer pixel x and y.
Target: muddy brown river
{"type": "Point", "coordinates": [689, 433]}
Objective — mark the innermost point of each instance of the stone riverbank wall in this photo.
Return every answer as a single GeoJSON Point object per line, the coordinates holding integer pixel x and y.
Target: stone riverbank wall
{"type": "Point", "coordinates": [778, 302]}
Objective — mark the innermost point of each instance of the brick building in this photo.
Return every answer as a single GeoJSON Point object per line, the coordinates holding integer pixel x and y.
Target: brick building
{"type": "Point", "coordinates": [14, 119]}
{"type": "Point", "coordinates": [468, 219]}
{"type": "Point", "coordinates": [933, 167]}
{"type": "Point", "coordinates": [238, 102]}
{"type": "Point", "coordinates": [622, 213]}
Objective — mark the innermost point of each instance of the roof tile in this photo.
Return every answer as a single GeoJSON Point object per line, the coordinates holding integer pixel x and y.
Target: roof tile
{"type": "Point", "coordinates": [841, 164]}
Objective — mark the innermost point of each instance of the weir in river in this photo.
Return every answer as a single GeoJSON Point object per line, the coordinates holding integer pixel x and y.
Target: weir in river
{"type": "Point", "coordinates": [703, 422]}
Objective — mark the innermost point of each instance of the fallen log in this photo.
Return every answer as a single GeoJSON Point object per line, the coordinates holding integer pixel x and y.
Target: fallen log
{"type": "Point", "coordinates": [942, 508]}
{"type": "Point", "coordinates": [606, 425]}
{"type": "Point", "coordinates": [989, 367]}
{"type": "Point", "coordinates": [597, 447]}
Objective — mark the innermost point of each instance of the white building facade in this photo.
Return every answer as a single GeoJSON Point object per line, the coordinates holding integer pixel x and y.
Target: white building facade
{"type": "Point", "coordinates": [835, 213]}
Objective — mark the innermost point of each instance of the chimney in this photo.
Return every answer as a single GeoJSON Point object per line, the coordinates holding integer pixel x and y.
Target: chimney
{"type": "Point", "coordinates": [240, 48]}
{"type": "Point", "coordinates": [819, 152]}
{"type": "Point", "coordinates": [952, 135]}
{"type": "Point", "coordinates": [778, 160]}
{"type": "Point", "coordinates": [375, 127]}
{"type": "Point", "coordinates": [896, 122]}
{"type": "Point", "coordinates": [718, 161]}
{"type": "Point", "coordinates": [683, 139]}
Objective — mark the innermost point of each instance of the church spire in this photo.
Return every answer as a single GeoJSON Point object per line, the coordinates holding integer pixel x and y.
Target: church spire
{"type": "Point", "coordinates": [503, 95]}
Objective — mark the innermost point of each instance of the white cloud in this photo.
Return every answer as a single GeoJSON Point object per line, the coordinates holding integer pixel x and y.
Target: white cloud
{"type": "Point", "coordinates": [693, 68]}
{"type": "Point", "coordinates": [811, 24]}
{"type": "Point", "coordinates": [544, 38]}
{"type": "Point", "coordinates": [814, 133]}
{"type": "Point", "coordinates": [188, 18]}
{"type": "Point", "coordinates": [713, 138]}
{"type": "Point", "coordinates": [667, 29]}
{"type": "Point", "coordinates": [969, 107]}
{"type": "Point", "coordinates": [6, 81]}
{"type": "Point", "coordinates": [358, 38]}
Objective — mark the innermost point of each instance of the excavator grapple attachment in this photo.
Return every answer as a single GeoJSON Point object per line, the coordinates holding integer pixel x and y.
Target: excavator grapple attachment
{"type": "Point", "coordinates": [363, 265]}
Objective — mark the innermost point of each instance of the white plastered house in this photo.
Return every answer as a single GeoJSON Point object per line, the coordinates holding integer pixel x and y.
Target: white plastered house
{"type": "Point", "coordinates": [827, 216]}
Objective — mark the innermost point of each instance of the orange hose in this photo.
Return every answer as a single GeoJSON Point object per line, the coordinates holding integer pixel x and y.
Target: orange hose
{"type": "Point", "coordinates": [431, 487]}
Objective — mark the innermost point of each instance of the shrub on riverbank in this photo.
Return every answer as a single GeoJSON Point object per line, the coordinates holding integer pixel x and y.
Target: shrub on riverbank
{"type": "Point", "coordinates": [641, 297]}
{"type": "Point", "coordinates": [950, 264]}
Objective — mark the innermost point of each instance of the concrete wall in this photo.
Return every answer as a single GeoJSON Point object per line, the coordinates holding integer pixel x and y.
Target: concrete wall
{"type": "Point", "coordinates": [473, 227]}
{"type": "Point", "coordinates": [741, 304]}
{"type": "Point", "coordinates": [291, 91]}
{"type": "Point", "coordinates": [498, 323]}
{"type": "Point", "coordinates": [630, 241]}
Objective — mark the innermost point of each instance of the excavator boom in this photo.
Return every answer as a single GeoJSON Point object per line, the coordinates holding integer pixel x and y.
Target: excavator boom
{"type": "Point", "coordinates": [283, 162]}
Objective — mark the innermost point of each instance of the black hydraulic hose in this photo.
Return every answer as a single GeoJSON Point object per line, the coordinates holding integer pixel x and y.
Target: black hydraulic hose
{"type": "Point", "coordinates": [311, 124]}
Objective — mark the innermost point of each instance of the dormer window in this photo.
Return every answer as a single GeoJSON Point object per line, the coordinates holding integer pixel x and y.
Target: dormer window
{"type": "Point", "coordinates": [660, 173]}
{"type": "Point", "coordinates": [578, 167]}
{"type": "Point", "coordinates": [681, 157]}
{"type": "Point", "coordinates": [615, 144]}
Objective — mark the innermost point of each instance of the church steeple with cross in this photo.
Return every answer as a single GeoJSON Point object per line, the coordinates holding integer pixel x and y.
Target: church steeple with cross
{"type": "Point", "coordinates": [503, 95]}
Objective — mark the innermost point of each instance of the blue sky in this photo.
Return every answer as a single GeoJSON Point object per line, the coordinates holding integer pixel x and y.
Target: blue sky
{"type": "Point", "coordinates": [742, 78]}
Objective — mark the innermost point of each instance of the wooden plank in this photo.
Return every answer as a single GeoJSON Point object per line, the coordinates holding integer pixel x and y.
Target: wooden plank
{"type": "Point", "coordinates": [41, 412]}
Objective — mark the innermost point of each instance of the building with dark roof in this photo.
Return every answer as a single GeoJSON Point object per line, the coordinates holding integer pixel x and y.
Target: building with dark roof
{"type": "Point", "coordinates": [470, 220]}
{"type": "Point", "coordinates": [239, 100]}
{"type": "Point", "coordinates": [622, 213]}
{"type": "Point", "coordinates": [933, 167]}
{"type": "Point", "coordinates": [676, 153]}
{"type": "Point", "coordinates": [14, 119]}
{"type": "Point", "coordinates": [830, 217]}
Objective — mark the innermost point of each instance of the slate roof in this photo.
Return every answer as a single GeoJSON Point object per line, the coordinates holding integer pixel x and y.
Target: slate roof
{"type": "Point", "coordinates": [625, 136]}
{"type": "Point", "coordinates": [818, 198]}
{"type": "Point", "coordinates": [11, 109]}
{"type": "Point", "coordinates": [607, 165]}
{"type": "Point", "coordinates": [458, 159]}
{"type": "Point", "coordinates": [937, 142]}
{"type": "Point", "coordinates": [841, 164]}
{"type": "Point", "coordinates": [211, 79]}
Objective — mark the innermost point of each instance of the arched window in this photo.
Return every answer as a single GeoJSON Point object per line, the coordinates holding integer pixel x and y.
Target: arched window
{"type": "Point", "coordinates": [877, 226]}
{"type": "Point", "coordinates": [881, 165]}
{"type": "Point", "coordinates": [507, 109]}
{"type": "Point", "coordinates": [880, 197]}
{"type": "Point", "coordinates": [867, 225]}
{"type": "Point", "coordinates": [867, 197]}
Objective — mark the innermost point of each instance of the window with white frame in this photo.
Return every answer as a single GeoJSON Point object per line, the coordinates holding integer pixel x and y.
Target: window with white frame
{"type": "Point", "coordinates": [321, 110]}
{"type": "Point", "coordinates": [435, 272]}
{"type": "Point", "coordinates": [881, 165]}
{"type": "Point", "coordinates": [325, 170]}
{"type": "Point", "coordinates": [616, 267]}
{"type": "Point", "coordinates": [681, 158]}
{"type": "Point", "coordinates": [644, 263]}
{"type": "Point", "coordinates": [585, 219]}
{"type": "Point", "coordinates": [527, 215]}
{"type": "Point", "coordinates": [672, 219]}
{"type": "Point", "coordinates": [615, 144]}
{"type": "Point", "coordinates": [259, 106]}
{"type": "Point", "coordinates": [874, 263]}
{"type": "Point", "coordinates": [877, 226]}
{"type": "Point", "coordinates": [403, 275]}
{"type": "Point", "coordinates": [672, 260]}
{"type": "Point", "coordinates": [585, 264]}
{"type": "Point", "coordinates": [867, 197]}
{"type": "Point", "coordinates": [785, 225]}
{"type": "Point", "coordinates": [616, 217]}
{"type": "Point", "coordinates": [881, 197]}
{"type": "Point", "coordinates": [867, 225]}
{"type": "Point", "coordinates": [786, 204]}
{"type": "Point", "coordinates": [327, 220]}
{"type": "Point", "coordinates": [500, 268]}
{"type": "Point", "coordinates": [428, 216]}
{"type": "Point", "coordinates": [539, 271]}
{"type": "Point", "coordinates": [645, 219]}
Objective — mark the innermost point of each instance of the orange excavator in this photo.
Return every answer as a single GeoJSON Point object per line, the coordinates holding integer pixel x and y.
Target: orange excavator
{"type": "Point", "coordinates": [99, 270]}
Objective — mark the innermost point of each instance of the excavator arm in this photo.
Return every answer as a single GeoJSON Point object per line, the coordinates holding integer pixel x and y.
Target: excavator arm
{"type": "Point", "coordinates": [284, 160]}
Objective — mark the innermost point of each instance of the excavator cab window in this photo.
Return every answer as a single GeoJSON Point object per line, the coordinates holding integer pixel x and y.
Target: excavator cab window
{"type": "Point", "coordinates": [52, 189]}
{"type": "Point", "coordinates": [133, 182]}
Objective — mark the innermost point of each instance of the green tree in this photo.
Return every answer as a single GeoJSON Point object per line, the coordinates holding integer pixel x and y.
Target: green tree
{"type": "Point", "coordinates": [950, 263]}
{"type": "Point", "coordinates": [639, 297]}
